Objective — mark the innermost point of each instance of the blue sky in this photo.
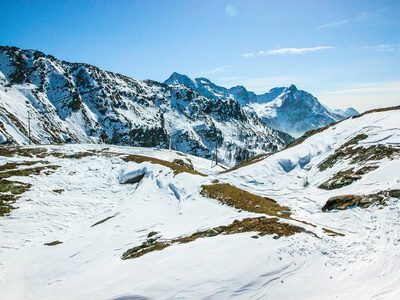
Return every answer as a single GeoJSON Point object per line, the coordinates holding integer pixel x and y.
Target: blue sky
{"type": "Point", "coordinates": [347, 53]}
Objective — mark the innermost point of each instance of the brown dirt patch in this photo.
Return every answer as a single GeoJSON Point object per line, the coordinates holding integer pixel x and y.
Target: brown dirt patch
{"type": "Point", "coordinates": [176, 168]}
{"type": "Point", "coordinates": [240, 199]}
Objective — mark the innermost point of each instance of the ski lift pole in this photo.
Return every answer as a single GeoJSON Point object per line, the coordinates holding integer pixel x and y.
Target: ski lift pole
{"type": "Point", "coordinates": [29, 127]}
{"type": "Point", "coordinates": [216, 151]}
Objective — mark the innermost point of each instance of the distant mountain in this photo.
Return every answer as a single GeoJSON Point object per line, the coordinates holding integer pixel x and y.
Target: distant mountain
{"type": "Point", "coordinates": [295, 111]}
{"type": "Point", "coordinates": [283, 108]}
{"type": "Point", "coordinates": [80, 103]}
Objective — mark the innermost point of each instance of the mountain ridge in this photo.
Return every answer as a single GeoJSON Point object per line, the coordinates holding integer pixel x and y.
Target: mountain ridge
{"type": "Point", "coordinates": [286, 109]}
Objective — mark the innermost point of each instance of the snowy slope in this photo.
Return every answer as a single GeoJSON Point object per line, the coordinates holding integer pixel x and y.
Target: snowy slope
{"type": "Point", "coordinates": [362, 264]}
{"type": "Point", "coordinates": [365, 263]}
{"type": "Point", "coordinates": [76, 102]}
{"type": "Point", "coordinates": [283, 108]}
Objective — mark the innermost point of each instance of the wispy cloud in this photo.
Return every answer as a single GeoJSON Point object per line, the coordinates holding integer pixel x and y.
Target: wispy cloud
{"type": "Point", "coordinates": [287, 51]}
{"type": "Point", "coordinates": [247, 54]}
{"type": "Point", "coordinates": [382, 47]}
{"type": "Point", "coordinates": [369, 87]}
{"type": "Point", "coordinates": [216, 70]}
{"type": "Point", "coordinates": [293, 50]}
{"type": "Point", "coordinates": [364, 96]}
{"type": "Point", "coordinates": [360, 18]}
{"type": "Point", "coordinates": [366, 16]}
{"type": "Point", "coordinates": [334, 24]}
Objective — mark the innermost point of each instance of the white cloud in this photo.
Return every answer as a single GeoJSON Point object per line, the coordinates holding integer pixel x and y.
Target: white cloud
{"type": "Point", "coordinates": [334, 24]}
{"type": "Point", "coordinates": [382, 47]}
{"type": "Point", "coordinates": [287, 51]}
{"type": "Point", "coordinates": [293, 50]}
{"type": "Point", "coordinates": [247, 54]}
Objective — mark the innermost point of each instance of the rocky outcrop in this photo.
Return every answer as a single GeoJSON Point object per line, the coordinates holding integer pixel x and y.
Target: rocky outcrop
{"type": "Point", "coordinates": [363, 201]}
{"type": "Point", "coordinates": [344, 178]}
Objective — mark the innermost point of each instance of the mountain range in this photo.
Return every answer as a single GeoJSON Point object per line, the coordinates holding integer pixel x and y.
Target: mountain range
{"type": "Point", "coordinates": [45, 100]}
{"type": "Point", "coordinates": [283, 108]}
{"type": "Point", "coordinates": [80, 103]}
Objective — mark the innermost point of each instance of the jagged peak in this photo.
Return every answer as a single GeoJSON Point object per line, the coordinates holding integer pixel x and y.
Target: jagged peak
{"type": "Point", "coordinates": [176, 78]}
{"type": "Point", "coordinates": [292, 89]}
{"type": "Point", "coordinates": [238, 87]}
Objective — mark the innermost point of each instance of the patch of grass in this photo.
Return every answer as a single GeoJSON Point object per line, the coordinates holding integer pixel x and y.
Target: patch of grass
{"type": "Point", "coordinates": [10, 190]}
{"type": "Point", "coordinates": [181, 162]}
{"type": "Point", "coordinates": [240, 199]}
{"type": "Point", "coordinates": [176, 168]}
{"type": "Point", "coordinates": [102, 221]}
{"type": "Point", "coordinates": [54, 243]}
{"type": "Point", "coordinates": [10, 151]}
{"type": "Point", "coordinates": [9, 194]}
{"type": "Point", "coordinates": [6, 204]}
{"type": "Point", "coordinates": [13, 187]}
{"type": "Point", "coordinates": [77, 155]}
{"type": "Point", "coordinates": [11, 166]}
{"type": "Point", "coordinates": [152, 233]}
{"type": "Point", "coordinates": [354, 140]}
{"type": "Point", "coordinates": [28, 171]}
{"type": "Point", "coordinates": [145, 248]}
{"type": "Point", "coordinates": [331, 232]}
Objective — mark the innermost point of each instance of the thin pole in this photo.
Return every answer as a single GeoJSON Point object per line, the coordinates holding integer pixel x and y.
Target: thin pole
{"type": "Point", "coordinates": [216, 150]}
{"type": "Point", "coordinates": [29, 127]}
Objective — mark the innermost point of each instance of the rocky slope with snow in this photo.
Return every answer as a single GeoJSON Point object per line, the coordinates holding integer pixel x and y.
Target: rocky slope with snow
{"type": "Point", "coordinates": [283, 108]}
{"type": "Point", "coordinates": [90, 222]}
{"type": "Point", "coordinates": [80, 103]}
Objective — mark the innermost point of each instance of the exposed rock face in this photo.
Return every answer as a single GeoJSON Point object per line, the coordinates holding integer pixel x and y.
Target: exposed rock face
{"type": "Point", "coordinates": [344, 178]}
{"type": "Point", "coordinates": [75, 102]}
{"type": "Point", "coordinates": [341, 202]}
{"type": "Point", "coordinates": [364, 201]}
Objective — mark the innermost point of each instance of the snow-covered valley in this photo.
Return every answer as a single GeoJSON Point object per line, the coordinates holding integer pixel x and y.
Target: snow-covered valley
{"type": "Point", "coordinates": [83, 206]}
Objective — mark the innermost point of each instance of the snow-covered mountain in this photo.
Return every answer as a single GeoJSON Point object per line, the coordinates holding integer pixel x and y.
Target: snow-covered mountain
{"type": "Point", "coordinates": [76, 102]}
{"type": "Point", "coordinates": [295, 111]}
{"type": "Point", "coordinates": [318, 220]}
{"type": "Point", "coordinates": [283, 108]}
